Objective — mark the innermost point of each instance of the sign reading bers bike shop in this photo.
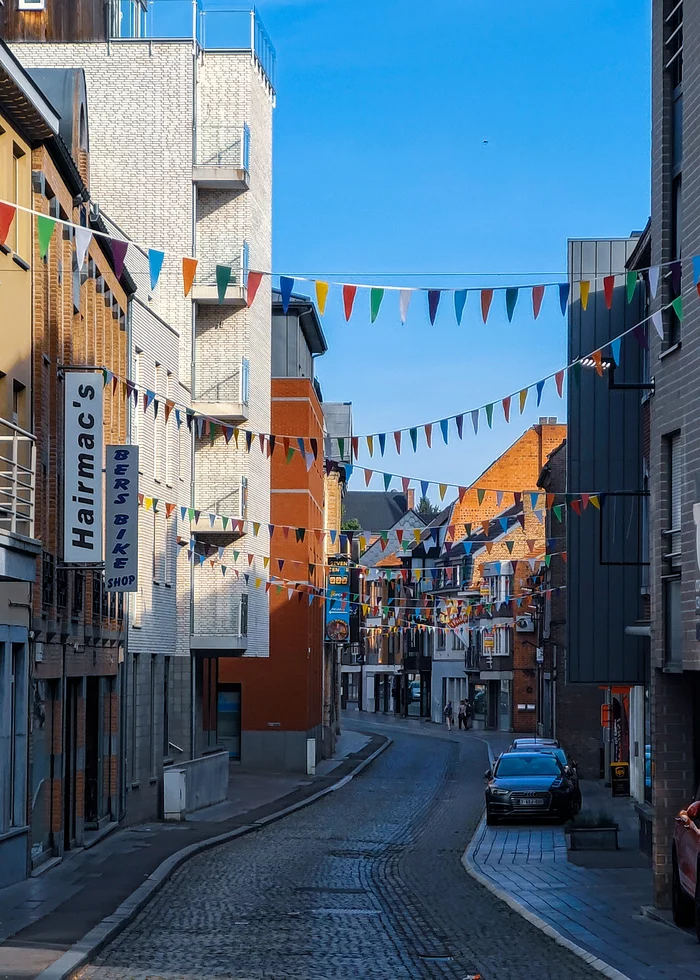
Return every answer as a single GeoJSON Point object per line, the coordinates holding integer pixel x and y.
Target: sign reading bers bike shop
{"type": "Point", "coordinates": [122, 519]}
{"type": "Point", "coordinates": [82, 502]}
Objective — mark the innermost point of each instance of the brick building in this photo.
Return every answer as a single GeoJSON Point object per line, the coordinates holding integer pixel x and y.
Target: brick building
{"type": "Point", "coordinates": [79, 318]}
{"type": "Point", "coordinates": [271, 708]}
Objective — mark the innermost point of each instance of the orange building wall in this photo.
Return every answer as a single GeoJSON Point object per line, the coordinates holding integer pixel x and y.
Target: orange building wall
{"type": "Point", "coordinates": [285, 691]}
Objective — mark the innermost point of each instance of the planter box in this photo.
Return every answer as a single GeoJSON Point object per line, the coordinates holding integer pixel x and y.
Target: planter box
{"type": "Point", "coordinates": [592, 839]}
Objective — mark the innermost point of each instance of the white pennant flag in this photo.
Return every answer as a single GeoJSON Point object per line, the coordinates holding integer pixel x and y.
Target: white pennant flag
{"type": "Point", "coordinates": [82, 240]}
{"type": "Point", "coordinates": [653, 280]}
{"type": "Point", "coordinates": [658, 321]}
{"type": "Point", "coordinates": [404, 300]}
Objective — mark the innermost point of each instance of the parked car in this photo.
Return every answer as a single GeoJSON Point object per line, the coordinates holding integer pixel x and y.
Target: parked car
{"type": "Point", "coordinates": [552, 747]}
{"type": "Point", "coordinates": [528, 784]}
{"type": "Point", "coordinates": [685, 863]}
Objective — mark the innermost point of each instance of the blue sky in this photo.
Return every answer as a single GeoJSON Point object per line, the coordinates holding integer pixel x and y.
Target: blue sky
{"type": "Point", "coordinates": [380, 167]}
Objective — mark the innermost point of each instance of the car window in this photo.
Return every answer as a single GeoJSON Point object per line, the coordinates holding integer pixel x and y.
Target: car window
{"type": "Point", "coordinates": [541, 764]}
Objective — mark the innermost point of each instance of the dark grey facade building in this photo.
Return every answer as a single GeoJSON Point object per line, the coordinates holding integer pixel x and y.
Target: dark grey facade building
{"type": "Point", "coordinates": [605, 544]}
{"type": "Point", "coordinates": [675, 425]}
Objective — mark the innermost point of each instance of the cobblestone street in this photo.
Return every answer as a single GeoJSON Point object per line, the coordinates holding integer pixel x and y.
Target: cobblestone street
{"type": "Point", "coordinates": [365, 883]}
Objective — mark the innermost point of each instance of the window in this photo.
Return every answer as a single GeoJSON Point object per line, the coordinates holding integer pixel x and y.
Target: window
{"type": "Point", "coordinates": [673, 64]}
{"type": "Point", "coordinates": [246, 147]}
{"type": "Point", "coordinates": [155, 556]}
{"type": "Point", "coordinates": [457, 644]}
{"type": "Point", "coordinates": [17, 197]}
{"type": "Point", "coordinates": [244, 615]}
{"type": "Point", "coordinates": [500, 587]}
{"type": "Point", "coordinates": [97, 582]}
{"type": "Point", "coordinates": [62, 588]}
{"type": "Point", "coordinates": [31, 5]}
{"type": "Point", "coordinates": [135, 413]}
{"type": "Point", "coordinates": [169, 548]}
{"type": "Point", "coordinates": [128, 19]}
{"type": "Point", "coordinates": [440, 639]}
{"type": "Point", "coordinates": [78, 591]}
{"type": "Point", "coordinates": [503, 642]}
{"type": "Point", "coordinates": [13, 729]}
{"type": "Point", "coordinates": [245, 380]}
{"type": "Point", "coordinates": [673, 653]}
{"type": "Point", "coordinates": [245, 263]}
{"type": "Point", "coordinates": [672, 531]}
{"type": "Point", "coordinates": [47, 578]}
{"type": "Point", "coordinates": [166, 707]}
{"type": "Point", "coordinates": [244, 497]}
{"type": "Point", "coordinates": [166, 433]}
{"type": "Point", "coordinates": [157, 423]}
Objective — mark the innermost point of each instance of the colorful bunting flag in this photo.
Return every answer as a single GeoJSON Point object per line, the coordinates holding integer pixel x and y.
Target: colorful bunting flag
{"type": "Point", "coordinates": [608, 290]}
{"type": "Point", "coordinates": [631, 284]}
{"type": "Point", "coordinates": [506, 408]}
{"type": "Point", "coordinates": [523, 399]}
{"type": "Point", "coordinates": [252, 285]}
{"type": "Point", "coordinates": [433, 301]}
{"type": "Point", "coordinates": [475, 420]}
{"type": "Point", "coordinates": [489, 415]}
{"type": "Point", "coordinates": [155, 264]}
{"type": "Point", "coordinates": [44, 229]}
{"type": "Point", "coordinates": [537, 297]}
{"type": "Point", "coordinates": [348, 300]}
{"type": "Point", "coordinates": [404, 300]}
{"type": "Point", "coordinates": [511, 300]}
{"type": "Point", "coordinates": [677, 305]}
{"type": "Point", "coordinates": [615, 350]}
{"type": "Point", "coordinates": [486, 298]}
{"type": "Point", "coordinates": [83, 237]}
{"type": "Point", "coordinates": [321, 295]}
{"type": "Point", "coordinates": [564, 289]}
{"type": "Point", "coordinates": [585, 288]}
{"type": "Point", "coordinates": [7, 214]}
{"type": "Point", "coordinates": [658, 321]}
{"type": "Point", "coordinates": [540, 389]}
{"type": "Point", "coordinates": [653, 276]}
{"type": "Point", "coordinates": [460, 299]}
{"type": "Point", "coordinates": [119, 250]}
{"type": "Point", "coordinates": [223, 278]}
{"type": "Point", "coordinates": [376, 295]}
{"type": "Point", "coordinates": [286, 287]}
{"type": "Point", "coordinates": [559, 382]}
{"type": "Point", "coordinates": [189, 267]}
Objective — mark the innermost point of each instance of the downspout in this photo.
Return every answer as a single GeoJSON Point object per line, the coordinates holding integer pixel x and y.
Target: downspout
{"type": "Point", "coordinates": [193, 349]}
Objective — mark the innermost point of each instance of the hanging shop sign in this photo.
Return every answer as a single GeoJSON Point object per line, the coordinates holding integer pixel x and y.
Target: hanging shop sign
{"type": "Point", "coordinates": [122, 519]}
{"type": "Point", "coordinates": [82, 501]}
{"type": "Point", "coordinates": [338, 604]}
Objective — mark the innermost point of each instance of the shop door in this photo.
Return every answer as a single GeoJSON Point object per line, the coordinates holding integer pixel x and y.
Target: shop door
{"type": "Point", "coordinates": [70, 752]}
{"type": "Point", "coordinates": [228, 719]}
{"type": "Point", "coordinates": [92, 752]}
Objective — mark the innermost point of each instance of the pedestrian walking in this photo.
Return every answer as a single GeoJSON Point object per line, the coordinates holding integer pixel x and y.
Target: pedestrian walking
{"type": "Point", "coordinates": [469, 713]}
{"type": "Point", "coordinates": [448, 713]}
{"type": "Point", "coordinates": [462, 714]}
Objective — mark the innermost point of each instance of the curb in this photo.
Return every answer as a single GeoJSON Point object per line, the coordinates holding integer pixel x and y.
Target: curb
{"type": "Point", "coordinates": [593, 961]}
{"type": "Point", "coordinates": [86, 949]}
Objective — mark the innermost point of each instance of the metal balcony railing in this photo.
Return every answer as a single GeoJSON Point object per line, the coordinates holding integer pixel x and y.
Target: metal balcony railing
{"type": "Point", "coordinates": [223, 146]}
{"type": "Point", "coordinates": [209, 26]}
{"type": "Point", "coordinates": [227, 616]}
{"type": "Point", "coordinates": [233, 388]}
{"type": "Point", "coordinates": [17, 479]}
{"type": "Point", "coordinates": [206, 276]}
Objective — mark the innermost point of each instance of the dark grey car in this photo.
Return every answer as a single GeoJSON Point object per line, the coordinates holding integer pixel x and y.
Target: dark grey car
{"type": "Point", "coordinates": [529, 784]}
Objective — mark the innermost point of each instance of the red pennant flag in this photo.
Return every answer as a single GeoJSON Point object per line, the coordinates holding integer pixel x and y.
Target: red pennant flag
{"type": "Point", "coordinates": [551, 497]}
{"type": "Point", "coordinates": [397, 440]}
{"type": "Point", "coordinates": [608, 289]}
{"type": "Point", "coordinates": [563, 556]}
{"type": "Point", "coordinates": [261, 437]}
{"type": "Point", "coordinates": [355, 443]}
{"type": "Point", "coordinates": [461, 491]}
{"type": "Point", "coordinates": [530, 544]}
{"type": "Point", "coordinates": [405, 482]}
{"type": "Point", "coordinates": [537, 295]}
{"type": "Point", "coordinates": [7, 214]}
{"type": "Point", "coordinates": [486, 297]}
{"type": "Point", "coordinates": [368, 476]}
{"type": "Point", "coordinates": [585, 497]}
{"type": "Point", "coordinates": [348, 300]}
{"type": "Point", "coordinates": [169, 508]}
{"type": "Point", "coordinates": [399, 536]}
{"type": "Point", "coordinates": [506, 408]}
{"type": "Point", "coordinates": [559, 381]}
{"type": "Point", "coordinates": [254, 280]}
{"type": "Point", "coordinates": [576, 506]}
{"type": "Point", "coordinates": [429, 434]}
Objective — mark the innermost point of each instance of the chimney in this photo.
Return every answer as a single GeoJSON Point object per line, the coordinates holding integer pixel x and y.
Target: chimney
{"type": "Point", "coordinates": [548, 420]}
{"type": "Point", "coordinates": [410, 498]}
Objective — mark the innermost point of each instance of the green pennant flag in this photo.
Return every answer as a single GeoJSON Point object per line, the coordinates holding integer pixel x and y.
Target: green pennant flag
{"type": "Point", "coordinates": [290, 453]}
{"type": "Point", "coordinates": [212, 433]}
{"type": "Point", "coordinates": [223, 278]}
{"type": "Point", "coordinates": [677, 305]}
{"type": "Point", "coordinates": [341, 446]}
{"type": "Point", "coordinates": [547, 560]}
{"type": "Point", "coordinates": [510, 545]}
{"type": "Point", "coordinates": [480, 494]}
{"type": "Point", "coordinates": [414, 437]}
{"type": "Point", "coordinates": [105, 375]}
{"type": "Point", "coordinates": [631, 284]}
{"type": "Point", "coordinates": [576, 371]}
{"type": "Point", "coordinates": [489, 414]}
{"type": "Point", "coordinates": [44, 227]}
{"type": "Point", "coordinates": [235, 555]}
{"type": "Point", "coordinates": [376, 296]}
{"type": "Point", "coordinates": [384, 536]}
{"type": "Point", "coordinates": [224, 521]}
{"type": "Point", "coordinates": [387, 480]}
{"type": "Point", "coordinates": [190, 513]}
{"type": "Point", "coordinates": [511, 300]}
{"type": "Point", "coordinates": [558, 511]}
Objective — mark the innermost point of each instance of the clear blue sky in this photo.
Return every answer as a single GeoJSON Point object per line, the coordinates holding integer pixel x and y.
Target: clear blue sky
{"type": "Point", "coordinates": [380, 167]}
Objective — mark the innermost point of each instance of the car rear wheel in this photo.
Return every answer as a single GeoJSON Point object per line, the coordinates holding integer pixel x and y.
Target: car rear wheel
{"type": "Point", "coordinates": [491, 818]}
{"type": "Point", "coordinates": [685, 911]}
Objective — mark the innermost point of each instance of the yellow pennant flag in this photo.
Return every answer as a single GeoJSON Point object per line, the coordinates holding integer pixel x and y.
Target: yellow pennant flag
{"type": "Point", "coordinates": [416, 535]}
{"type": "Point", "coordinates": [148, 502]}
{"type": "Point", "coordinates": [363, 543]}
{"type": "Point", "coordinates": [258, 583]}
{"type": "Point", "coordinates": [256, 528]}
{"type": "Point", "coordinates": [523, 399]}
{"type": "Point", "coordinates": [595, 501]}
{"type": "Point", "coordinates": [370, 445]}
{"type": "Point", "coordinates": [585, 290]}
{"type": "Point", "coordinates": [443, 490]}
{"type": "Point", "coordinates": [266, 561]}
{"type": "Point", "coordinates": [321, 296]}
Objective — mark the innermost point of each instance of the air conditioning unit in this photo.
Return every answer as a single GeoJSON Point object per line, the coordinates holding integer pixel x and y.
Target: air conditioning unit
{"type": "Point", "coordinates": [32, 5]}
{"type": "Point", "coordinates": [524, 624]}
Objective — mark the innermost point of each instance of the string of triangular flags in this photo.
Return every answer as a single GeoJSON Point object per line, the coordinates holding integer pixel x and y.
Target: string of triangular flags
{"type": "Point", "coordinates": [539, 503]}
{"type": "Point", "coordinates": [224, 275]}
{"type": "Point", "coordinates": [207, 426]}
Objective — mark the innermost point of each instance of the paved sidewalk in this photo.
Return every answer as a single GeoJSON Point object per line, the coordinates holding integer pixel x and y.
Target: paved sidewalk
{"type": "Point", "coordinates": [597, 909]}
{"type": "Point", "coordinates": [44, 916]}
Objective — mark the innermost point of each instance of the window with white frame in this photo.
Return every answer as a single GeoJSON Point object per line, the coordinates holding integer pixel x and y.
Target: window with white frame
{"type": "Point", "coordinates": [245, 380]}
{"type": "Point", "coordinates": [440, 639]}
{"type": "Point", "coordinates": [157, 423]}
{"type": "Point", "coordinates": [503, 641]}
{"type": "Point", "coordinates": [135, 414]}
{"type": "Point", "coordinates": [457, 644]}
{"type": "Point", "coordinates": [167, 425]}
{"type": "Point", "coordinates": [500, 587]}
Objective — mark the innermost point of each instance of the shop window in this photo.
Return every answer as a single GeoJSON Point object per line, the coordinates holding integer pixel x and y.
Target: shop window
{"type": "Point", "coordinates": [47, 579]}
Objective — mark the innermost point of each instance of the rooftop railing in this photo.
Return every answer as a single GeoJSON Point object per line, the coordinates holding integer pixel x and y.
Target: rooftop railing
{"type": "Point", "coordinates": [212, 26]}
{"type": "Point", "coordinates": [17, 473]}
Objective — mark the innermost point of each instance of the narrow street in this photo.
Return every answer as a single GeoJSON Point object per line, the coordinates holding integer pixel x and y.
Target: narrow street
{"type": "Point", "coordinates": [365, 883]}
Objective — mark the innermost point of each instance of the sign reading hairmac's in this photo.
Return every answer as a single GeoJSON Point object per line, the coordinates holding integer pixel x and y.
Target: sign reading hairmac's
{"type": "Point", "coordinates": [82, 501]}
{"type": "Point", "coordinates": [338, 604]}
{"type": "Point", "coordinates": [122, 519]}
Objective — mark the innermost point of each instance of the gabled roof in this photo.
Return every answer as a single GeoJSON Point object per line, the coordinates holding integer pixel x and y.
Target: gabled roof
{"type": "Point", "coordinates": [375, 510]}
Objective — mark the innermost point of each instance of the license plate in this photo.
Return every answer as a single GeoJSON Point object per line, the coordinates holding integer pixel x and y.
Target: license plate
{"type": "Point", "coordinates": [531, 802]}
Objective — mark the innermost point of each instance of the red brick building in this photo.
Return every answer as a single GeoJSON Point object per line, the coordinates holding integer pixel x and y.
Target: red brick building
{"type": "Point", "coordinates": [281, 696]}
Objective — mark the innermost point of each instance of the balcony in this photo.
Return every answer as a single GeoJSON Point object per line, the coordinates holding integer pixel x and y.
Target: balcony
{"type": "Point", "coordinates": [18, 547]}
{"type": "Point", "coordinates": [198, 22]}
{"type": "Point", "coordinates": [206, 287]}
{"type": "Point", "coordinates": [222, 158]}
{"type": "Point", "coordinates": [226, 399]}
{"type": "Point", "coordinates": [226, 511]}
{"type": "Point", "coordinates": [221, 625]}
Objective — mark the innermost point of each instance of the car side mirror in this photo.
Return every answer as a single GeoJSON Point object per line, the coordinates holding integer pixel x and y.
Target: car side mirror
{"type": "Point", "coordinates": [488, 774]}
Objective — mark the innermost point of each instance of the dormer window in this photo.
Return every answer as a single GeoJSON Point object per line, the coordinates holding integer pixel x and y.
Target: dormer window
{"type": "Point", "coordinates": [128, 18]}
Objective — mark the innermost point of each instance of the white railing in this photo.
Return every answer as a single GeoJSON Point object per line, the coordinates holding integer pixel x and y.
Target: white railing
{"type": "Point", "coordinates": [17, 475]}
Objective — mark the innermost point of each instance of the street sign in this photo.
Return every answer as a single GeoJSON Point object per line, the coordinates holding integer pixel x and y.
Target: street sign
{"type": "Point", "coordinates": [82, 449]}
{"type": "Point", "coordinates": [122, 519]}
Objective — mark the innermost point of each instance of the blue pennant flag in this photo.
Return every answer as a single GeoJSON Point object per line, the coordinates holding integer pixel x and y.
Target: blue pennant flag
{"type": "Point", "coordinates": [382, 442]}
{"type": "Point", "coordinates": [424, 488]}
{"type": "Point", "coordinates": [443, 428]}
{"type": "Point", "coordinates": [286, 287]}
{"type": "Point", "coordinates": [540, 388]}
{"type": "Point", "coordinates": [615, 348]}
{"type": "Point", "coordinates": [564, 296]}
{"type": "Point", "coordinates": [155, 264]}
{"type": "Point", "coordinates": [460, 300]}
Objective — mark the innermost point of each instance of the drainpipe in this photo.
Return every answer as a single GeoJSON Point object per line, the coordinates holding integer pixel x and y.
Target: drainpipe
{"type": "Point", "coordinates": [193, 350]}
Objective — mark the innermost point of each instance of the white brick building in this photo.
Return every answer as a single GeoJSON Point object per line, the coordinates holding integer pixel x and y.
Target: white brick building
{"type": "Point", "coordinates": [182, 159]}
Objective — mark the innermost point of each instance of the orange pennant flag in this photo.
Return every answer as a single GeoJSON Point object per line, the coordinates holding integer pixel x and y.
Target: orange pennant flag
{"type": "Point", "coordinates": [598, 361]}
{"type": "Point", "coordinates": [189, 267]}
{"type": "Point", "coordinates": [254, 280]}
